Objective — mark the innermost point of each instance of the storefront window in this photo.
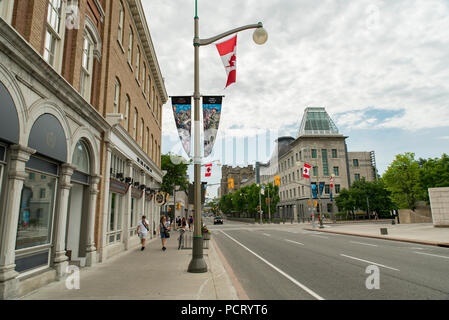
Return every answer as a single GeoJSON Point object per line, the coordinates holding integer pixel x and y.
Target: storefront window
{"type": "Point", "coordinates": [36, 211]}
{"type": "Point", "coordinates": [81, 158]}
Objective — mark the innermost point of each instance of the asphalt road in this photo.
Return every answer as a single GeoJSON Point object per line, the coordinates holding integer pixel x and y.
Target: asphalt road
{"type": "Point", "coordinates": [288, 263]}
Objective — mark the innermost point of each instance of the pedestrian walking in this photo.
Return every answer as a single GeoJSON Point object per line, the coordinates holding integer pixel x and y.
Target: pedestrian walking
{"type": "Point", "coordinates": [164, 231]}
{"type": "Point", "coordinates": [142, 230]}
{"type": "Point", "coordinates": [183, 223]}
{"type": "Point", "coordinates": [190, 223]}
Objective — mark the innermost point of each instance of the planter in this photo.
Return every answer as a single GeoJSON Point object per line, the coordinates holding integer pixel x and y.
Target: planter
{"type": "Point", "coordinates": [206, 236]}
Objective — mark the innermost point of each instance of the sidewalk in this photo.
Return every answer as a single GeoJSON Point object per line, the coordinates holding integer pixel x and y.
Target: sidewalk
{"type": "Point", "coordinates": [422, 233]}
{"type": "Point", "coordinates": [147, 275]}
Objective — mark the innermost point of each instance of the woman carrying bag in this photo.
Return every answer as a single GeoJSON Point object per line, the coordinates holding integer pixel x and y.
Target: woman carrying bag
{"type": "Point", "coordinates": [164, 231]}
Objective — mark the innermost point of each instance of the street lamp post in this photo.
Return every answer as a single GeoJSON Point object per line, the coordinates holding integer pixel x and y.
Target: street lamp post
{"type": "Point", "coordinates": [197, 264]}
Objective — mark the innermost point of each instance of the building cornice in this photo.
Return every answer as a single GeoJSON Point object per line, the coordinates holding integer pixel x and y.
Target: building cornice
{"type": "Point", "coordinates": [145, 37]}
{"type": "Point", "coordinates": [21, 52]}
{"type": "Point", "coordinates": [155, 172]}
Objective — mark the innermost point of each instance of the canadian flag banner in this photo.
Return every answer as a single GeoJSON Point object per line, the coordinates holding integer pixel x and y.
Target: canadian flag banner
{"type": "Point", "coordinates": [208, 170]}
{"type": "Point", "coordinates": [228, 51]}
{"type": "Point", "coordinates": [306, 171]}
{"type": "Point", "coordinates": [332, 182]}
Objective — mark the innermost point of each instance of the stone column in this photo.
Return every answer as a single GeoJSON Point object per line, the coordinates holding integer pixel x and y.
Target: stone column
{"type": "Point", "coordinates": [61, 261]}
{"type": "Point", "coordinates": [142, 202]}
{"type": "Point", "coordinates": [127, 200]}
{"type": "Point", "coordinates": [295, 213]}
{"type": "Point", "coordinates": [16, 174]}
{"type": "Point", "coordinates": [106, 183]}
{"type": "Point", "coordinates": [91, 250]}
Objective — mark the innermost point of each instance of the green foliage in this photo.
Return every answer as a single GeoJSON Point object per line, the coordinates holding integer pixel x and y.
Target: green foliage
{"type": "Point", "coordinates": [434, 173]}
{"type": "Point", "coordinates": [403, 180]}
{"type": "Point", "coordinates": [176, 173]}
{"type": "Point", "coordinates": [246, 199]}
{"type": "Point", "coordinates": [366, 196]}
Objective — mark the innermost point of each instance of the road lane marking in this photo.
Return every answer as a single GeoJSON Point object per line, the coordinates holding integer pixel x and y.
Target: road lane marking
{"type": "Point", "coordinates": [294, 242]}
{"type": "Point", "coordinates": [374, 263]}
{"type": "Point", "coordinates": [433, 255]}
{"type": "Point", "coordinates": [365, 244]}
{"type": "Point", "coordinates": [266, 234]}
{"type": "Point", "coordinates": [318, 236]}
{"type": "Point", "coordinates": [313, 294]}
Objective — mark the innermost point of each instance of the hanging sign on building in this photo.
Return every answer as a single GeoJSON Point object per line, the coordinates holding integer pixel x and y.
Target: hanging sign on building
{"type": "Point", "coordinates": [136, 193]}
{"type": "Point", "coordinates": [211, 121]}
{"type": "Point", "coordinates": [182, 111]}
{"type": "Point", "coordinates": [148, 196]}
{"type": "Point", "coordinates": [118, 187]}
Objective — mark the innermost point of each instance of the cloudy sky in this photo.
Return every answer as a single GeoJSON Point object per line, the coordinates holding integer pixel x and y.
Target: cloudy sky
{"type": "Point", "coordinates": [380, 68]}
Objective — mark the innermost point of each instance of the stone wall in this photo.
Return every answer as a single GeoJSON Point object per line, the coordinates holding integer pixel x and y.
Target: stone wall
{"type": "Point", "coordinates": [439, 203]}
{"type": "Point", "coordinates": [421, 214]}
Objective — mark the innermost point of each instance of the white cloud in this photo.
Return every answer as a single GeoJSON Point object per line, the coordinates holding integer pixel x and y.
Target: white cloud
{"type": "Point", "coordinates": [347, 56]}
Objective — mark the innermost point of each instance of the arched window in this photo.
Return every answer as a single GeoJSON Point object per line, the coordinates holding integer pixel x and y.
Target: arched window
{"type": "Point", "coordinates": [117, 96]}
{"type": "Point", "coordinates": [91, 50]}
{"type": "Point", "coordinates": [80, 157]}
{"type": "Point", "coordinates": [144, 76]}
{"type": "Point", "coordinates": [127, 113]}
{"type": "Point", "coordinates": [147, 133]}
{"type": "Point", "coordinates": [152, 148]}
{"type": "Point", "coordinates": [130, 46]}
{"type": "Point", "coordinates": [121, 18]}
{"type": "Point", "coordinates": [136, 114]}
{"type": "Point", "coordinates": [54, 36]}
{"type": "Point", "coordinates": [141, 132]}
{"type": "Point", "coordinates": [138, 63]}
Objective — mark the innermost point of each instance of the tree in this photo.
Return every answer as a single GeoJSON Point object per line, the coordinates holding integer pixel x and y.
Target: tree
{"type": "Point", "coordinates": [402, 178]}
{"type": "Point", "coordinates": [176, 168]}
{"type": "Point", "coordinates": [434, 173]}
{"type": "Point", "coordinates": [225, 203]}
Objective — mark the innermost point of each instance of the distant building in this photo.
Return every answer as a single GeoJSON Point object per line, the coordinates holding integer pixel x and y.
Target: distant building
{"type": "Point", "coordinates": [320, 145]}
{"type": "Point", "coordinates": [241, 175]}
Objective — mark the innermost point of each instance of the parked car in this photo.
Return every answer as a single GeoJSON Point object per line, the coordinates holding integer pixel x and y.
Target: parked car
{"type": "Point", "coordinates": [218, 220]}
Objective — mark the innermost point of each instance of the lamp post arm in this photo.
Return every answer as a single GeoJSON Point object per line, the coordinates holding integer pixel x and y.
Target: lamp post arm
{"type": "Point", "coordinates": [205, 42]}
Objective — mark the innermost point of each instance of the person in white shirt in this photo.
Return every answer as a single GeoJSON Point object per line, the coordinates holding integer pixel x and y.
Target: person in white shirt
{"type": "Point", "coordinates": [142, 230]}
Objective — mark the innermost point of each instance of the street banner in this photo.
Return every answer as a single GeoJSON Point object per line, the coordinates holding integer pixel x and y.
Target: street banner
{"type": "Point", "coordinates": [314, 191]}
{"type": "Point", "coordinates": [208, 170]}
{"type": "Point", "coordinates": [182, 111]}
{"type": "Point", "coordinates": [321, 188]}
{"type": "Point", "coordinates": [306, 171]}
{"type": "Point", "coordinates": [228, 50]}
{"type": "Point", "coordinates": [211, 121]}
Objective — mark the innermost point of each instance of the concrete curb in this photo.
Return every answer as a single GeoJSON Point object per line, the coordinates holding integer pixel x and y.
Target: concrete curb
{"type": "Point", "coordinates": [431, 243]}
{"type": "Point", "coordinates": [234, 282]}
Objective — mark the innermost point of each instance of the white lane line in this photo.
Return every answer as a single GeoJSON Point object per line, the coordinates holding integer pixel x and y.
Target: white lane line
{"type": "Point", "coordinates": [433, 255]}
{"type": "Point", "coordinates": [294, 242]}
{"type": "Point", "coordinates": [266, 234]}
{"type": "Point", "coordinates": [365, 244]}
{"type": "Point", "coordinates": [315, 235]}
{"type": "Point", "coordinates": [313, 294]}
{"type": "Point", "coordinates": [370, 262]}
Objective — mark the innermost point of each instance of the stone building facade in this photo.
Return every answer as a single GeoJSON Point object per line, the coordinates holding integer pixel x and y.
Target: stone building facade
{"type": "Point", "coordinates": [320, 145]}
{"type": "Point", "coordinates": [240, 175]}
{"type": "Point", "coordinates": [65, 149]}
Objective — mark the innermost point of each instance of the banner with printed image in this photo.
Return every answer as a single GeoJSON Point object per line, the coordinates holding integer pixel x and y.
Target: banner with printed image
{"type": "Point", "coordinates": [211, 120]}
{"type": "Point", "coordinates": [182, 111]}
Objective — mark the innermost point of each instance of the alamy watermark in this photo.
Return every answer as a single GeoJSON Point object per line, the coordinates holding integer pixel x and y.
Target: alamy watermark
{"type": "Point", "coordinates": [373, 280]}
{"type": "Point", "coordinates": [72, 282]}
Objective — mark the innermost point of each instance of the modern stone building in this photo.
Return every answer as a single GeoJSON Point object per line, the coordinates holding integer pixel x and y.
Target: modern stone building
{"type": "Point", "coordinates": [80, 135]}
{"type": "Point", "coordinates": [320, 145]}
{"type": "Point", "coordinates": [240, 175]}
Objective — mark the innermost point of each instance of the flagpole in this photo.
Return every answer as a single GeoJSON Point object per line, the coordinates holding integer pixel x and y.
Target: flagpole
{"type": "Point", "coordinates": [197, 264]}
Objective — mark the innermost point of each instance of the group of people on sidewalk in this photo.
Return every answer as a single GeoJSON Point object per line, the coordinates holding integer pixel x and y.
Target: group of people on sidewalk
{"type": "Point", "coordinates": [163, 230]}
{"type": "Point", "coordinates": [181, 222]}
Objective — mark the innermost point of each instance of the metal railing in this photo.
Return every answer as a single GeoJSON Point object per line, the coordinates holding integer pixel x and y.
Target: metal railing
{"type": "Point", "coordinates": [187, 241]}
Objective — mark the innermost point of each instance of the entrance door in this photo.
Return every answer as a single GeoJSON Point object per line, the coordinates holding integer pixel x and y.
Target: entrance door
{"type": "Point", "coordinates": [75, 242]}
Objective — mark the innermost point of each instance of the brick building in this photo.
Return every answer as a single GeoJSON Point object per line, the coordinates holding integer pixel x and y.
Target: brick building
{"type": "Point", "coordinates": [81, 97]}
